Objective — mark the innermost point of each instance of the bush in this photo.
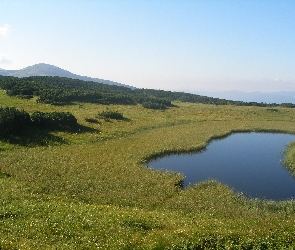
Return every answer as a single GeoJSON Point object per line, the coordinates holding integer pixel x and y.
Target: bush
{"type": "Point", "coordinates": [91, 120]}
{"type": "Point", "coordinates": [54, 120]}
{"type": "Point", "coordinates": [13, 120]}
{"type": "Point", "coordinates": [153, 105]}
{"type": "Point", "coordinates": [111, 115]}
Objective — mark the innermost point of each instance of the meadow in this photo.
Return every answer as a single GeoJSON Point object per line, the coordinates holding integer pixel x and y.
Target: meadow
{"type": "Point", "coordinates": [90, 188]}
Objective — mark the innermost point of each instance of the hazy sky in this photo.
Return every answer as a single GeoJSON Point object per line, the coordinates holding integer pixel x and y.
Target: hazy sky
{"type": "Point", "coordinates": [246, 45]}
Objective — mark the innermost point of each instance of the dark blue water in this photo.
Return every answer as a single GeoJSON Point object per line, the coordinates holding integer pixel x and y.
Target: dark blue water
{"type": "Point", "coordinates": [250, 163]}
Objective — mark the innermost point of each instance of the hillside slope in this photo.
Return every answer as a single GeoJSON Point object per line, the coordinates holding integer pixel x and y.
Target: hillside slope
{"type": "Point", "coordinates": [43, 69]}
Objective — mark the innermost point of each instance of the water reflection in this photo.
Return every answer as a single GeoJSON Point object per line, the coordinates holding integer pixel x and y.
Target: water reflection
{"type": "Point", "coordinates": [248, 162]}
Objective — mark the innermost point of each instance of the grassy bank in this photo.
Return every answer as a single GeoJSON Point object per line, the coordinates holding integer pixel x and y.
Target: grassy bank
{"type": "Point", "coordinates": [90, 189]}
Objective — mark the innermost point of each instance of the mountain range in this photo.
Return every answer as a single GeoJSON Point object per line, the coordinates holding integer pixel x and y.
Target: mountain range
{"type": "Point", "coordinates": [43, 69]}
{"type": "Point", "coordinates": [255, 96]}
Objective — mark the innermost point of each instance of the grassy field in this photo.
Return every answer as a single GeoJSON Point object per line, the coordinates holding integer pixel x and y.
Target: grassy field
{"type": "Point", "coordinates": [91, 189]}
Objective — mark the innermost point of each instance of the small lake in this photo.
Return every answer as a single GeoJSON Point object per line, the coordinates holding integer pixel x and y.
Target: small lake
{"type": "Point", "coordinates": [251, 163]}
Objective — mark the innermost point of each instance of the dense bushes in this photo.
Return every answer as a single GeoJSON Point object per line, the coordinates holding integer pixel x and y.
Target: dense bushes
{"type": "Point", "coordinates": [61, 90]}
{"type": "Point", "coordinates": [111, 115]}
{"type": "Point", "coordinates": [13, 120]}
{"type": "Point", "coordinates": [62, 96]}
{"type": "Point", "coordinates": [153, 105]}
{"type": "Point", "coordinates": [54, 120]}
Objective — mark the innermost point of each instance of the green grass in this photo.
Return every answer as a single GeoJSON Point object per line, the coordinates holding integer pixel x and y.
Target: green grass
{"type": "Point", "coordinates": [90, 188]}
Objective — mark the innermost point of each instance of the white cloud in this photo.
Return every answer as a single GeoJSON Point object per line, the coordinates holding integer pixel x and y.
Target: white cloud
{"type": "Point", "coordinates": [4, 59]}
{"type": "Point", "coordinates": [5, 30]}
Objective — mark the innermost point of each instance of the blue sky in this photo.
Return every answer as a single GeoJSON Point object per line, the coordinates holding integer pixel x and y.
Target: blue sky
{"type": "Point", "coordinates": [212, 45]}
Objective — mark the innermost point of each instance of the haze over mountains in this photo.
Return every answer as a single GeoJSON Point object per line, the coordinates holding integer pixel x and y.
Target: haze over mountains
{"type": "Point", "coordinates": [256, 96]}
{"type": "Point", "coordinates": [43, 69]}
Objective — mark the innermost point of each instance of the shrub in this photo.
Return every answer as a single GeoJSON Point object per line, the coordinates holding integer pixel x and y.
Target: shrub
{"type": "Point", "coordinates": [13, 120]}
{"type": "Point", "coordinates": [153, 105]}
{"type": "Point", "coordinates": [91, 120]}
{"type": "Point", "coordinates": [54, 120]}
{"type": "Point", "coordinates": [111, 115]}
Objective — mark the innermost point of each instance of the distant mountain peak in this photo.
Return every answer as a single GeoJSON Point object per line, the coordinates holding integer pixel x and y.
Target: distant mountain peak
{"type": "Point", "coordinates": [44, 69]}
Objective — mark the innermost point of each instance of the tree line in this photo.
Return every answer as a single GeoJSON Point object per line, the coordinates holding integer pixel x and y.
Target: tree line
{"type": "Point", "coordinates": [194, 98]}
{"type": "Point", "coordinates": [61, 90]}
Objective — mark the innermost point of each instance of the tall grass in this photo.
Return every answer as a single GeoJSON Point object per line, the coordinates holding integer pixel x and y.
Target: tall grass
{"type": "Point", "coordinates": [95, 192]}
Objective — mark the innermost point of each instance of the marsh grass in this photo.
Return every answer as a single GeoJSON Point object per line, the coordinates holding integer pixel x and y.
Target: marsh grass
{"type": "Point", "coordinates": [289, 161]}
{"type": "Point", "coordinates": [95, 192]}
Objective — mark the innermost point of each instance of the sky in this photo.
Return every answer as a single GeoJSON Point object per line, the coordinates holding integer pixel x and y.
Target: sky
{"type": "Point", "coordinates": [179, 45]}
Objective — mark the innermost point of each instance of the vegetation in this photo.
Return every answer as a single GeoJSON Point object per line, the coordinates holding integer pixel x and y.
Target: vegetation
{"type": "Point", "coordinates": [290, 158]}
{"type": "Point", "coordinates": [193, 98]}
{"type": "Point", "coordinates": [153, 105]}
{"type": "Point", "coordinates": [63, 91]}
{"type": "Point", "coordinates": [13, 120]}
{"type": "Point", "coordinates": [54, 120]}
{"type": "Point", "coordinates": [95, 192]}
{"type": "Point", "coordinates": [111, 115]}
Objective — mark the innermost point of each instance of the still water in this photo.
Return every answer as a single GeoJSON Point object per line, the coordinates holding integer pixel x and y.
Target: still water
{"type": "Point", "coordinates": [250, 163]}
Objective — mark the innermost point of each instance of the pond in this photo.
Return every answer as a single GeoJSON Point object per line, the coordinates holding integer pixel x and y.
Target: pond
{"type": "Point", "coordinates": [250, 163]}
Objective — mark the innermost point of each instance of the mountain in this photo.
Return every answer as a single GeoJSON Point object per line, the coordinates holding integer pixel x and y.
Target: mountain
{"type": "Point", "coordinates": [256, 96]}
{"type": "Point", "coordinates": [43, 69]}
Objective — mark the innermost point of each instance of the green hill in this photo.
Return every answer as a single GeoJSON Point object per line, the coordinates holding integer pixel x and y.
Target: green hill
{"type": "Point", "coordinates": [62, 90]}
